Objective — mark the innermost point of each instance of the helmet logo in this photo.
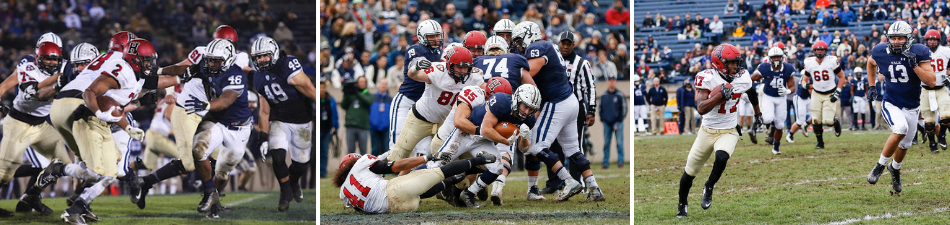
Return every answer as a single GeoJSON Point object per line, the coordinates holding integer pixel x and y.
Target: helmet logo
{"type": "Point", "coordinates": [133, 47]}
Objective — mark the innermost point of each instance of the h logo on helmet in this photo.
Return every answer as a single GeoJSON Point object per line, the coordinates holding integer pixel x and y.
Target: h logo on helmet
{"type": "Point", "coordinates": [133, 48]}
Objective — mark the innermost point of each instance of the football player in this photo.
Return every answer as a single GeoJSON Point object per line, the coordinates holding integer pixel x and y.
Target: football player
{"type": "Point", "coordinates": [474, 41]}
{"type": "Point", "coordinates": [640, 108]}
{"type": "Point", "coordinates": [429, 33]}
{"type": "Point", "coordinates": [777, 80]}
{"type": "Point", "coordinates": [937, 97]}
{"type": "Point", "coordinates": [185, 124]}
{"type": "Point", "coordinates": [904, 66]}
{"type": "Point", "coordinates": [497, 62]}
{"type": "Point", "coordinates": [444, 78]}
{"type": "Point", "coordinates": [558, 103]}
{"type": "Point", "coordinates": [822, 69]}
{"type": "Point", "coordinates": [362, 187]}
{"type": "Point", "coordinates": [802, 103]}
{"type": "Point", "coordinates": [287, 91]}
{"type": "Point", "coordinates": [718, 130]}
{"type": "Point", "coordinates": [859, 105]}
{"type": "Point", "coordinates": [503, 29]}
{"type": "Point", "coordinates": [157, 139]}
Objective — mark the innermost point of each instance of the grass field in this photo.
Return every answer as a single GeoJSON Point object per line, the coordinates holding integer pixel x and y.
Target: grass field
{"type": "Point", "coordinates": [246, 208]}
{"type": "Point", "coordinates": [614, 182]}
{"type": "Point", "coordinates": [802, 186]}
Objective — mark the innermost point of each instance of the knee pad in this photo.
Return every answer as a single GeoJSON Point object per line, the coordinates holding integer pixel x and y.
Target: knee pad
{"type": "Point", "coordinates": [532, 162]}
{"type": "Point", "coordinates": [929, 127]}
{"type": "Point", "coordinates": [944, 122]}
{"type": "Point", "coordinates": [722, 156]}
{"type": "Point", "coordinates": [818, 129]}
{"type": "Point", "coordinates": [299, 169]}
{"type": "Point", "coordinates": [280, 167]}
{"type": "Point", "coordinates": [548, 157]}
{"type": "Point", "coordinates": [580, 161]}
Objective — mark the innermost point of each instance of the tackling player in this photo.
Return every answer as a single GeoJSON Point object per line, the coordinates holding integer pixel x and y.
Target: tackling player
{"type": "Point", "coordinates": [718, 131]}
{"type": "Point", "coordinates": [936, 98]}
{"type": "Point", "coordinates": [904, 66]}
{"type": "Point", "coordinates": [776, 77]}
{"type": "Point", "coordinates": [822, 69]}
{"type": "Point", "coordinates": [429, 33]}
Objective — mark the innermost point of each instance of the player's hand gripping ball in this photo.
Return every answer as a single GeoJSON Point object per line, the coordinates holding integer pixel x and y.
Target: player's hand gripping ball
{"type": "Point", "coordinates": [719, 93]}
{"type": "Point", "coordinates": [506, 129]}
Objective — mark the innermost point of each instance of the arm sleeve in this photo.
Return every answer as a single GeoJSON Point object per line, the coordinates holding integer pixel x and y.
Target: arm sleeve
{"type": "Point", "coordinates": [151, 82]}
{"type": "Point", "coordinates": [382, 167]}
{"type": "Point", "coordinates": [753, 96]}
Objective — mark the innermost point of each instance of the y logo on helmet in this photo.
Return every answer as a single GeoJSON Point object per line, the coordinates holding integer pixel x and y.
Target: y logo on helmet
{"type": "Point", "coordinates": [492, 101]}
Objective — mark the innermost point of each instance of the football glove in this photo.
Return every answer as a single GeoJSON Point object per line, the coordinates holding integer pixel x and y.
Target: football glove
{"type": "Point", "coordinates": [423, 64]}
{"type": "Point", "coordinates": [834, 95]}
{"type": "Point", "coordinates": [524, 131]}
{"type": "Point", "coordinates": [911, 58]}
{"type": "Point", "coordinates": [726, 92]}
{"type": "Point", "coordinates": [264, 148]}
{"type": "Point", "coordinates": [192, 71]}
{"type": "Point", "coordinates": [4, 109]}
{"type": "Point", "coordinates": [135, 132]}
{"type": "Point", "coordinates": [872, 93]}
{"type": "Point", "coordinates": [194, 105]}
{"type": "Point", "coordinates": [29, 90]}
{"type": "Point", "coordinates": [444, 156]}
{"type": "Point", "coordinates": [758, 121]}
{"type": "Point", "coordinates": [513, 139]}
{"type": "Point", "coordinates": [107, 115]}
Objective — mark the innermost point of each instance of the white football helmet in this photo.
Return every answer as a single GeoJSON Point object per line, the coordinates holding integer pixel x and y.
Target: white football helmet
{"type": "Point", "coordinates": [262, 46]}
{"type": "Point", "coordinates": [445, 55]}
{"type": "Point", "coordinates": [50, 37]}
{"type": "Point", "coordinates": [503, 26]}
{"type": "Point", "coordinates": [635, 79]}
{"type": "Point", "coordinates": [776, 51]}
{"type": "Point", "coordinates": [83, 53]}
{"type": "Point", "coordinates": [426, 28]}
{"type": "Point", "coordinates": [900, 28]}
{"type": "Point", "coordinates": [858, 73]}
{"type": "Point", "coordinates": [496, 42]}
{"type": "Point", "coordinates": [528, 32]}
{"type": "Point", "coordinates": [218, 49]}
{"type": "Point", "coordinates": [530, 96]}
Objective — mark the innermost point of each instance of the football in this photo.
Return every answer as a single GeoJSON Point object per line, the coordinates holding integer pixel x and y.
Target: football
{"type": "Point", "coordinates": [506, 129]}
{"type": "Point", "coordinates": [716, 93]}
{"type": "Point", "coordinates": [106, 102]}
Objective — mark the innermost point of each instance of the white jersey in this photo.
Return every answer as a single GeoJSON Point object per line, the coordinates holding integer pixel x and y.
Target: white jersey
{"type": "Point", "coordinates": [472, 96]}
{"type": "Point", "coordinates": [439, 96]}
{"type": "Point", "coordinates": [364, 189]}
{"type": "Point", "coordinates": [195, 87]}
{"type": "Point", "coordinates": [29, 72]}
{"type": "Point", "coordinates": [113, 65]}
{"type": "Point", "coordinates": [160, 125]}
{"type": "Point", "coordinates": [939, 61]}
{"type": "Point", "coordinates": [823, 75]}
{"type": "Point", "coordinates": [723, 116]}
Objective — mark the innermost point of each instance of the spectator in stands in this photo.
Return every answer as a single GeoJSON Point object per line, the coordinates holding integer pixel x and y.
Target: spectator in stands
{"type": "Point", "coordinates": [739, 30]}
{"type": "Point", "coordinates": [357, 104]}
{"type": "Point", "coordinates": [716, 28]}
{"type": "Point", "coordinates": [655, 56]}
{"type": "Point", "coordinates": [642, 68]}
{"type": "Point", "coordinates": [813, 17]}
{"type": "Point", "coordinates": [758, 37]}
{"type": "Point", "coordinates": [478, 21]}
{"type": "Point", "coordinates": [678, 24]}
{"type": "Point", "coordinates": [534, 16]}
{"type": "Point", "coordinates": [379, 118]}
{"type": "Point", "coordinates": [586, 28]}
{"type": "Point", "coordinates": [783, 8]}
{"type": "Point", "coordinates": [603, 67]}
{"type": "Point", "coordinates": [769, 6]}
{"type": "Point", "coordinates": [412, 10]}
{"type": "Point", "coordinates": [745, 8]}
{"type": "Point", "coordinates": [613, 110]}
{"type": "Point", "coordinates": [694, 32]}
{"type": "Point", "coordinates": [617, 14]}
{"type": "Point", "coordinates": [376, 72]}
{"type": "Point", "coordinates": [557, 25]}
{"type": "Point", "coordinates": [667, 55]}
{"type": "Point", "coordinates": [329, 124]}
{"type": "Point", "coordinates": [657, 97]}
{"type": "Point", "coordinates": [686, 104]}
{"type": "Point", "coordinates": [661, 20]}
{"type": "Point", "coordinates": [449, 15]}
{"type": "Point", "coordinates": [731, 8]}
{"type": "Point", "coordinates": [394, 74]}
{"type": "Point", "coordinates": [682, 68]}
{"type": "Point", "coordinates": [798, 7]}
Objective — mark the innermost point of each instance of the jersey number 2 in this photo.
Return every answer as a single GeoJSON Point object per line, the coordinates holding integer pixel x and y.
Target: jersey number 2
{"type": "Point", "coordinates": [364, 191]}
{"type": "Point", "coordinates": [722, 108]}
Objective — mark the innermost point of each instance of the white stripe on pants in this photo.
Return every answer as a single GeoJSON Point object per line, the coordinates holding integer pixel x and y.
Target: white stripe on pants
{"type": "Point", "coordinates": [902, 121]}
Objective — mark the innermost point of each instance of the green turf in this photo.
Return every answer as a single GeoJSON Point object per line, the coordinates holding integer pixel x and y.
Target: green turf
{"type": "Point", "coordinates": [614, 182]}
{"type": "Point", "coordinates": [804, 185]}
{"type": "Point", "coordinates": [247, 208]}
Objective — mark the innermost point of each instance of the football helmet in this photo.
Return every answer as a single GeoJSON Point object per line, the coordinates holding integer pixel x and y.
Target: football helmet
{"type": "Point", "coordinates": [120, 40]}
{"type": "Point", "coordinates": [932, 35]}
{"type": "Point", "coordinates": [349, 159]}
{"type": "Point", "coordinates": [723, 56]}
{"type": "Point", "coordinates": [900, 29]}
{"type": "Point", "coordinates": [141, 55]}
{"type": "Point", "coordinates": [503, 28]}
{"type": "Point", "coordinates": [426, 28]}
{"type": "Point", "coordinates": [776, 52]}
{"type": "Point", "coordinates": [263, 46]}
{"type": "Point", "coordinates": [50, 37]}
{"type": "Point", "coordinates": [49, 51]}
{"type": "Point", "coordinates": [459, 57]}
{"type": "Point", "coordinates": [527, 95]}
{"type": "Point", "coordinates": [820, 46]}
{"type": "Point", "coordinates": [475, 40]}
{"type": "Point", "coordinates": [221, 52]}
{"type": "Point", "coordinates": [497, 85]}
{"type": "Point", "coordinates": [524, 34]}
{"type": "Point", "coordinates": [82, 54]}
{"type": "Point", "coordinates": [496, 42]}
{"type": "Point", "coordinates": [226, 32]}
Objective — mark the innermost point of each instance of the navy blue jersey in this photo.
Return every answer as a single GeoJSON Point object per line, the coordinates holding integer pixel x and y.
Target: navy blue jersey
{"type": "Point", "coordinates": [639, 95]}
{"type": "Point", "coordinates": [410, 88]}
{"type": "Point", "coordinates": [845, 94]}
{"type": "Point", "coordinates": [902, 87]}
{"type": "Point", "coordinates": [500, 105]}
{"type": "Point", "coordinates": [237, 112]}
{"type": "Point", "coordinates": [775, 79]}
{"type": "Point", "coordinates": [286, 103]}
{"type": "Point", "coordinates": [802, 92]}
{"type": "Point", "coordinates": [552, 78]}
{"type": "Point", "coordinates": [860, 87]}
{"type": "Point", "coordinates": [506, 66]}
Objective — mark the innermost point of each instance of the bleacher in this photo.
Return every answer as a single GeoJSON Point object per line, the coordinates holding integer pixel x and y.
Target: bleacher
{"type": "Point", "coordinates": [710, 8]}
{"type": "Point", "coordinates": [462, 6]}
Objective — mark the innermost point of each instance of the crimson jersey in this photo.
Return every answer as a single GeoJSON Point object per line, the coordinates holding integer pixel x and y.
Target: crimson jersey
{"type": "Point", "coordinates": [439, 96]}
{"type": "Point", "coordinates": [724, 115]}
{"type": "Point", "coordinates": [364, 189]}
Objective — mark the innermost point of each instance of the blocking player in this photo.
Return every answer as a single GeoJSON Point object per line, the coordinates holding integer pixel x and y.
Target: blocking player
{"type": "Point", "coordinates": [474, 41]}
{"type": "Point", "coordinates": [362, 187]}
{"type": "Point", "coordinates": [718, 131]}
{"type": "Point", "coordinates": [859, 105]}
{"type": "Point", "coordinates": [443, 82]}
{"type": "Point", "coordinates": [777, 80]}
{"type": "Point", "coordinates": [939, 60]}
{"type": "Point", "coordinates": [822, 68]}
{"type": "Point", "coordinates": [429, 33]}
{"type": "Point", "coordinates": [287, 91]}
{"type": "Point", "coordinates": [503, 29]}
{"type": "Point", "coordinates": [904, 66]}
{"type": "Point", "coordinates": [558, 110]}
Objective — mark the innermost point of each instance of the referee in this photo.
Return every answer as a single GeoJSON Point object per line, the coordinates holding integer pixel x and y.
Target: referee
{"type": "Point", "coordinates": [582, 79]}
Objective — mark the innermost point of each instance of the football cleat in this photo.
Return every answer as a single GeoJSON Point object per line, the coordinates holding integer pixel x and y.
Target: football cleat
{"type": "Point", "coordinates": [534, 194]}
{"type": "Point", "coordinates": [594, 194]}
{"type": "Point", "coordinates": [285, 197]}
{"type": "Point", "coordinates": [208, 200]}
{"type": "Point", "coordinates": [789, 138]}
{"type": "Point", "coordinates": [295, 191]}
{"type": "Point", "coordinates": [895, 178]}
{"type": "Point", "coordinates": [707, 197]}
{"type": "Point", "coordinates": [497, 188]}
{"type": "Point", "coordinates": [142, 193]}
{"type": "Point", "coordinates": [53, 171]}
{"type": "Point", "coordinates": [489, 158]}
{"type": "Point", "coordinates": [32, 203]}
{"type": "Point", "coordinates": [681, 210]}
{"type": "Point", "coordinates": [469, 199]}
{"type": "Point", "coordinates": [775, 151]}
{"type": "Point", "coordinates": [213, 213]}
{"type": "Point", "coordinates": [769, 140]}
{"type": "Point", "coordinates": [571, 188]}
{"type": "Point", "coordinates": [134, 187]}
{"type": "Point", "coordinates": [820, 145]}
{"type": "Point", "coordinates": [942, 141]}
{"type": "Point", "coordinates": [88, 215]}
{"type": "Point", "coordinates": [482, 194]}
{"type": "Point", "coordinates": [805, 129]}
{"type": "Point", "coordinates": [549, 190]}
{"type": "Point", "coordinates": [73, 219]}
{"type": "Point", "coordinates": [933, 147]}
{"type": "Point", "coordinates": [752, 137]}
{"type": "Point", "coordinates": [837, 126]}
{"type": "Point", "coordinates": [875, 173]}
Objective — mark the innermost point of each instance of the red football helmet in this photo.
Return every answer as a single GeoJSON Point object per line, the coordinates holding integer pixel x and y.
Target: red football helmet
{"type": "Point", "coordinates": [226, 32]}
{"type": "Point", "coordinates": [120, 40]}
{"type": "Point", "coordinates": [49, 51]}
{"type": "Point", "coordinates": [820, 46]}
{"type": "Point", "coordinates": [349, 160]}
{"type": "Point", "coordinates": [462, 58]}
{"type": "Point", "coordinates": [497, 85]}
{"type": "Point", "coordinates": [475, 42]}
{"type": "Point", "coordinates": [779, 44]}
{"type": "Point", "coordinates": [932, 35]}
{"type": "Point", "coordinates": [140, 54]}
{"type": "Point", "coordinates": [723, 56]}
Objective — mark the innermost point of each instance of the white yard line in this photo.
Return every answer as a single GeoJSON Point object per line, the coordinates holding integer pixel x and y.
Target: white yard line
{"type": "Point", "coordinates": [246, 200]}
{"type": "Point", "coordinates": [754, 161]}
{"type": "Point", "coordinates": [885, 216]}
